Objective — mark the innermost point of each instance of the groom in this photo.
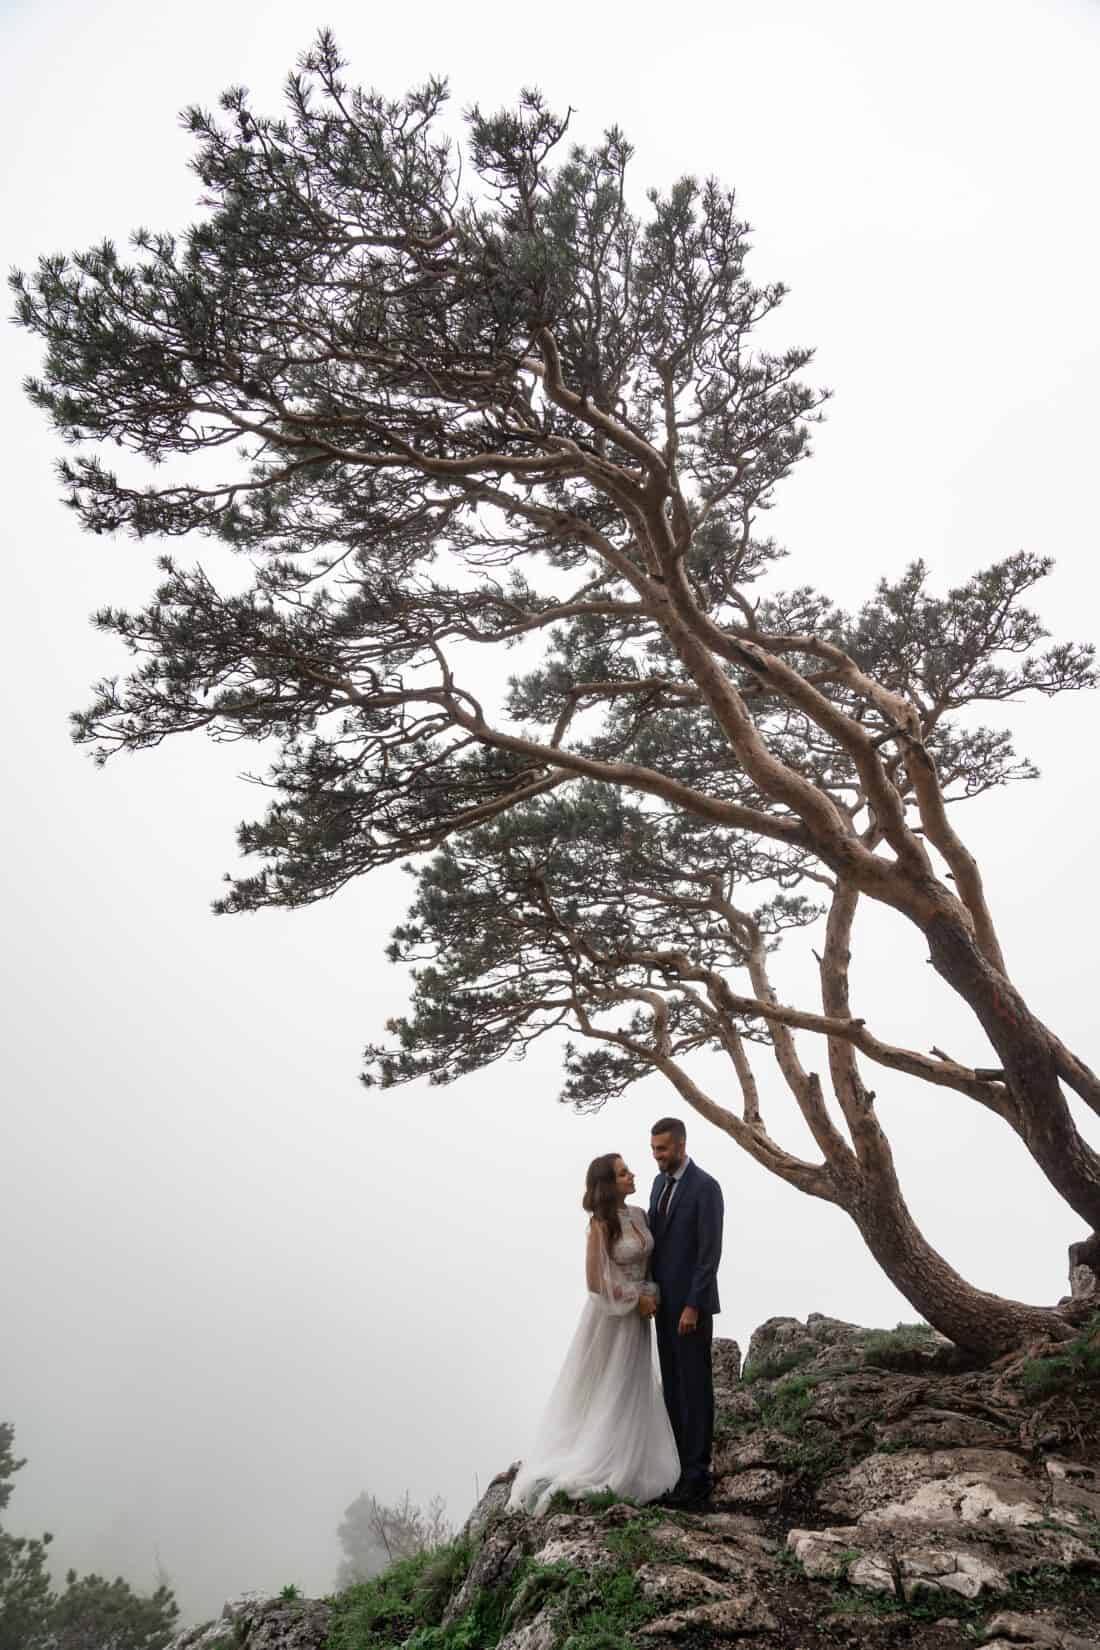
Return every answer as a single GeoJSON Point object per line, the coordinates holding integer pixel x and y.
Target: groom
{"type": "Point", "coordinates": [685, 1217]}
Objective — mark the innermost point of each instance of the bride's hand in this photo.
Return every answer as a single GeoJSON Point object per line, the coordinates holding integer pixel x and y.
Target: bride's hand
{"type": "Point", "coordinates": [647, 1305]}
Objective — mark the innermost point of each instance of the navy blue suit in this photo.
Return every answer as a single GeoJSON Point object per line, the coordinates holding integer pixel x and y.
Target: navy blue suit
{"type": "Point", "coordinates": [687, 1246]}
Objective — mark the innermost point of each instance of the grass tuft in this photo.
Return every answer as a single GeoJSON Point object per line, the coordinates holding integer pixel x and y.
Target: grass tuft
{"type": "Point", "coordinates": [789, 1402]}
{"type": "Point", "coordinates": [412, 1594]}
{"type": "Point", "coordinates": [1074, 1362]}
{"type": "Point", "coordinates": [769, 1369]}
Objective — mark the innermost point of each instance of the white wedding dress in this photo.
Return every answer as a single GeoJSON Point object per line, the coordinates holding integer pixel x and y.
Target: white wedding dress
{"type": "Point", "coordinates": [605, 1426]}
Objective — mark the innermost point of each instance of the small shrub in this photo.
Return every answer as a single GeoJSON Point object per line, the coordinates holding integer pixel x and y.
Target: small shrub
{"type": "Point", "coordinates": [846, 1602]}
{"type": "Point", "coordinates": [291, 1591]}
{"type": "Point", "coordinates": [535, 1585]}
{"type": "Point", "coordinates": [791, 1563]}
{"type": "Point", "coordinates": [1076, 1361]}
{"type": "Point", "coordinates": [479, 1628]}
{"type": "Point", "coordinates": [769, 1369]}
{"type": "Point", "coordinates": [812, 1458]}
{"type": "Point", "coordinates": [904, 1337]}
{"type": "Point", "coordinates": [633, 1541]}
{"type": "Point", "coordinates": [602, 1611]}
{"type": "Point", "coordinates": [787, 1405]}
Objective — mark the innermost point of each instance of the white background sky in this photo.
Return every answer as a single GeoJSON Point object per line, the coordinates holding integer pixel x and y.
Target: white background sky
{"type": "Point", "coordinates": [235, 1288]}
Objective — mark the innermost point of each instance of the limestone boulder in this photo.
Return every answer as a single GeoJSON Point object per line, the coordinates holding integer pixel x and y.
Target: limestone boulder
{"type": "Point", "coordinates": [492, 1503]}
{"type": "Point", "coordinates": [718, 1545]}
{"type": "Point", "coordinates": [725, 1362]}
{"type": "Point", "coordinates": [1074, 1488]}
{"type": "Point", "coordinates": [503, 1548]}
{"type": "Point", "coordinates": [758, 1487]}
{"type": "Point", "coordinates": [760, 1448]}
{"type": "Point", "coordinates": [797, 1344]}
{"type": "Point", "coordinates": [540, 1633]}
{"type": "Point", "coordinates": [928, 1427]}
{"type": "Point", "coordinates": [930, 1486]}
{"type": "Point", "coordinates": [208, 1635]}
{"type": "Point", "coordinates": [827, 1555]}
{"type": "Point", "coordinates": [291, 1624]}
{"type": "Point", "coordinates": [1010, 1630]}
{"type": "Point", "coordinates": [262, 1623]}
{"type": "Point", "coordinates": [678, 1587]}
{"type": "Point", "coordinates": [713, 1622]}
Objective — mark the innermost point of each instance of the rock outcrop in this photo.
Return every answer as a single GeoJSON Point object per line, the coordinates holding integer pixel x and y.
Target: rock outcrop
{"type": "Point", "coordinates": [871, 1489]}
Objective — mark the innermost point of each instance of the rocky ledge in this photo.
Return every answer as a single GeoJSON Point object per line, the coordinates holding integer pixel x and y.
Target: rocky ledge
{"type": "Point", "coordinates": [871, 1490]}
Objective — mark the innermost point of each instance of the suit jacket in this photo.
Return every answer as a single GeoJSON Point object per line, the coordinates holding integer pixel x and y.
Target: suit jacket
{"type": "Point", "coordinates": [688, 1243]}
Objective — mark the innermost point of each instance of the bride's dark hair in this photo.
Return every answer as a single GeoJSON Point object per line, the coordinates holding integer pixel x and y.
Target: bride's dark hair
{"type": "Point", "coordinates": [601, 1195]}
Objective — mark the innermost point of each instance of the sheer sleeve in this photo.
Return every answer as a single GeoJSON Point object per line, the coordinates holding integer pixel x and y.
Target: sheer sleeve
{"type": "Point", "coordinates": [607, 1284]}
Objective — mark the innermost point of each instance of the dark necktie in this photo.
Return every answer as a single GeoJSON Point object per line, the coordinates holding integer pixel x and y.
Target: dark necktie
{"type": "Point", "coordinates": [666, 1198]}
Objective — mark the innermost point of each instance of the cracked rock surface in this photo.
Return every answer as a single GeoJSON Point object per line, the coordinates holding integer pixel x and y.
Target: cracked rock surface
{"type": "Point", "coordinates": [871, 1491]}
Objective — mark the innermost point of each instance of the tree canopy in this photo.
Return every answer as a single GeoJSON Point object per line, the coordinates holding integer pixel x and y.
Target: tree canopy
{"type": "Point", "coordinates": [451, 399]}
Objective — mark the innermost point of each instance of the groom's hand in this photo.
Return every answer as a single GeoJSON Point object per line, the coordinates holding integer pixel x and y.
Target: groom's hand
{"type": "Point", "coordinates": [689, 1321]}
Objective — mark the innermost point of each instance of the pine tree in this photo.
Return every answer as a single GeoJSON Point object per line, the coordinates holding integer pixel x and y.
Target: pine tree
{"type": "Point", "coordinates": [24, 1574]}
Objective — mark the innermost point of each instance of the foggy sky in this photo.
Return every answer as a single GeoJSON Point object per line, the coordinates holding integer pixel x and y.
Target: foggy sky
{"type": "Point", "coordinates": [236, 1289]}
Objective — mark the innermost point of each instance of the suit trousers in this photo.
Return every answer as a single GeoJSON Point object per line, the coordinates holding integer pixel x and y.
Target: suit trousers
{"type": "Point", "coordinates": [689, 1391]}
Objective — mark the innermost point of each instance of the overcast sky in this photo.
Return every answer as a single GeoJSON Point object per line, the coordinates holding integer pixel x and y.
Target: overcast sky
{"type": "Point", "coordinates": [236, 1288]}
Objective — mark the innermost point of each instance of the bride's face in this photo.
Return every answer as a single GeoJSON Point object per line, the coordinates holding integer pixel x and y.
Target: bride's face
{"type": "Point", "coordinates": [624, 1180]}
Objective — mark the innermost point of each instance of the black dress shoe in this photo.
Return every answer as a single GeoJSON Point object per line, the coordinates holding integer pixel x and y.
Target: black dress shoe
{"type": "Point", "coordinates": [670, 1498]}
{"type": "Point", "coordinates": [694, 1495]}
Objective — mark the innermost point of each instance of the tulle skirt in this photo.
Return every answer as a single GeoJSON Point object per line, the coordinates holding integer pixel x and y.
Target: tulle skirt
{"type": "Point", "coordinates": [605, 1426]}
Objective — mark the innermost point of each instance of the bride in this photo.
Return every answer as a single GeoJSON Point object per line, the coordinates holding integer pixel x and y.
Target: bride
{"type": "Point", "coordinates": [605, 1425]}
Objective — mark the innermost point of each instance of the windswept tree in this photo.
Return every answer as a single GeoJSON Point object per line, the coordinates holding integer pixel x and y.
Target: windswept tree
{"type": "Point", "coordinates": [458, 407]}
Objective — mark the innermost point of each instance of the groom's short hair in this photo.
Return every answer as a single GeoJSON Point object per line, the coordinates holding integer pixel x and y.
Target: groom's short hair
{"type": "Point", "coordinates": [670, 1125]}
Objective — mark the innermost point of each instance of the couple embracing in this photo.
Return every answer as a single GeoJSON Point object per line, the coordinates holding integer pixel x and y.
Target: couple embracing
{"type": "Point", "coordinates": [609, 1423]}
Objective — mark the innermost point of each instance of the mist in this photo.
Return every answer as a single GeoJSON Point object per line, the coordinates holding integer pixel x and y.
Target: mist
{"type": "Point", "coordinates": [238, 1288]}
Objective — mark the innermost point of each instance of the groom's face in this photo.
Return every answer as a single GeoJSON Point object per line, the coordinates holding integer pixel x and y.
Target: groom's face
{"type": "Point", "coordinates": [668, 1151]}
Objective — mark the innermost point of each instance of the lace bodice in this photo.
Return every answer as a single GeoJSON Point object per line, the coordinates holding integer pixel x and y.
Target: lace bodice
{"type": "Point", "coordinates": [617, 1279]}
{"type": "Point", "coordinates": [634, 1245]}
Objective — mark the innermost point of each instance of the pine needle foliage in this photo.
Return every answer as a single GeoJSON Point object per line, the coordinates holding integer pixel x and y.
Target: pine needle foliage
{"type": "Point", "coordinates": [494, 434]}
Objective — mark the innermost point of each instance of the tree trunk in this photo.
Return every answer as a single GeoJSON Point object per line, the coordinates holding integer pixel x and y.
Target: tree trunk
{"type": "Point", "coordinates": [984, 1324]}
{"type": "Point", "coordinates": [1042, 1117]}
